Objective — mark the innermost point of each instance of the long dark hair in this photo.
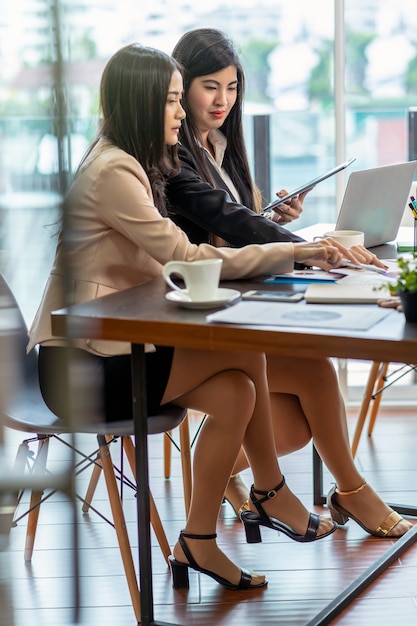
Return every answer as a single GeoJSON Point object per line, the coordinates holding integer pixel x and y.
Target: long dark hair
{"type": "Point", "coordinates": [205, 51]}
{"type": "Point", "coordinates": [133, 94]}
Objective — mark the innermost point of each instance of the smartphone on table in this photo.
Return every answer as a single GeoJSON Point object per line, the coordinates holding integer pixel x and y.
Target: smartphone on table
{"type": "Point", "coordinates": [273, 296]}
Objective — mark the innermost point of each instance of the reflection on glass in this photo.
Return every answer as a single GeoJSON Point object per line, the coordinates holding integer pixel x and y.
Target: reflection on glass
{"type": "Point", "coordinates": [287, 49]}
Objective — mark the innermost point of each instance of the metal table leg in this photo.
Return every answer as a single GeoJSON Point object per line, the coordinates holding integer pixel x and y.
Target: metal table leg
{"type": "Point", "coordinates": [352, 591]}
{"type": "Point", "coordinates": [142, 470]}
{"type": "Point", "coordinates": [319, 497]}
{"type": "Point", "coordinates": [378, 567]}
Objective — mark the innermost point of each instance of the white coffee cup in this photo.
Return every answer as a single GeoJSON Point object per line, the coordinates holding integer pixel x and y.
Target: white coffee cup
{"type": "Point", "coordinates": [201, 278]}
{"type": "Point", "coordinates": [347, 238]}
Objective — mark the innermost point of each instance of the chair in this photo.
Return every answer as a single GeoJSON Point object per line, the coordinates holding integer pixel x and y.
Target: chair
{"type": "Point", "coordinates": [184, 448]}
{"type": "Point", "coordinates": [378, 381]}
{"type": "Point", "coordinates": [27, 412]}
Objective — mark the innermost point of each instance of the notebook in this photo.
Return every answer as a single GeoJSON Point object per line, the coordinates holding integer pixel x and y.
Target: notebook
{"type": "Point", "coordinates": [342, 293]}
{"type": "Point", "coordinates": [374, 201]}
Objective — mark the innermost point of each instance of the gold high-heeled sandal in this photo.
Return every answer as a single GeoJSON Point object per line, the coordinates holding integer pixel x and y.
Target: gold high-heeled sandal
{"type": "Point", "coordinates": [242, 507]}
{"type": "Point", "coordinates": [342, 515]}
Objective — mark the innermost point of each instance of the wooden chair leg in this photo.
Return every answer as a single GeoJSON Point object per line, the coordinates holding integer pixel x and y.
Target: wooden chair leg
{"type": "Point", "coordinates": [373, 374]}
{"type": "Point", "coordinates": [19, 468]}
{"type": "Point", "coordinates": [35, 498]}
{"type": "Point", "coordinates": [156, 523]}
{"type": "Point", "coordinates": [167, 455]}
{"type": "Point", "coordinates": [120, 525]}
{"type": "Point", "coordinates": [92, 485]}
{"type": "Point", "coordinates": [377, 397]}
{"type": "Point", "coordinates": [159, 529]}
{"type": "Point", "coordinates": [185, 446]}
{"type": "Point", "coordinates": [185, 451]}
{"type": "Point", "coordinates": [22, 455]}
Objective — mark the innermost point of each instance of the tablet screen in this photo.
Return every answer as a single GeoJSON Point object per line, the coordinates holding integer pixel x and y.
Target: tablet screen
{"type": "Point", "coordinates": [312, 183]}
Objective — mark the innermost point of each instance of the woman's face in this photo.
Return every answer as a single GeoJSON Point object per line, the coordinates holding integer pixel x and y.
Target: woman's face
{"type": "Point", "coordinates": [210, 98]}
{"type": "Point", "coordinates": [174, 112]}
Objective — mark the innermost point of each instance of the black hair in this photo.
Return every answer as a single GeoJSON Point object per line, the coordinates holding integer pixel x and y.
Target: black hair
{"type": "Point", "coordinates": [133, 95]}
{"type": "Point", "coordinates": [205, 51]}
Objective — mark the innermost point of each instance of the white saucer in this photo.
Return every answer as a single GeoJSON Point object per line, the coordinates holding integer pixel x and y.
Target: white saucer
{"type": "Point", "coordinates": [224, 296]}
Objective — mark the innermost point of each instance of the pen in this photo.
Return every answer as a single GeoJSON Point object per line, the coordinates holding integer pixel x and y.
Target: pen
{"type": "Point", "coordinates": [413, 207]}
{"type": "Point", "coordinates": [362, 266]}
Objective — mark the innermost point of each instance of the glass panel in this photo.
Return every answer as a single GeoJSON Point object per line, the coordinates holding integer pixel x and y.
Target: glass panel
{"type": "Point", "coordinates": [287, 51]}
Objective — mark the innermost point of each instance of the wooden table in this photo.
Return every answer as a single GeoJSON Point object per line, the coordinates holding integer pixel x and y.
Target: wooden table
{"type": "Point", "coordinates": [142, 314]}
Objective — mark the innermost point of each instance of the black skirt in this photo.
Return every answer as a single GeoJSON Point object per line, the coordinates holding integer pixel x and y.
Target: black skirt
{"type": "Point", "coordinates": [100, 385]}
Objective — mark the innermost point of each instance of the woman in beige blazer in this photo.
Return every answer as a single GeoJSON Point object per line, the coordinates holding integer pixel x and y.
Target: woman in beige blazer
{"type": "Point", "coordinates": [119, 236]}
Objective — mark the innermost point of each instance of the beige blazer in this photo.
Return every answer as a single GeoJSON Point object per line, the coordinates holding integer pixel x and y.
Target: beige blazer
{"type": "Point", "coordinates": [118, 239]}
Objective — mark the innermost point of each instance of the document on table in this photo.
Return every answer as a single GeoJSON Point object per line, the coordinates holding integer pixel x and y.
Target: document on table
{"type": "Point", "coordinates": [310, 315]}
{"type": "Point", "coordinates": [367, 277]}
{"type": "Point", "coordinates": [356, 287]}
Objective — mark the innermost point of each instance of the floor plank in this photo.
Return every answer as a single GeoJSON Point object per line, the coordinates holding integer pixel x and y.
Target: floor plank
{"type": "Point", "coordinates": [303, 578]}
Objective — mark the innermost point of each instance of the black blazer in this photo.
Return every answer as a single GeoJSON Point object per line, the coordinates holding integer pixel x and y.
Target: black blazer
{"type": "Point", "coordinates": [199, 209]}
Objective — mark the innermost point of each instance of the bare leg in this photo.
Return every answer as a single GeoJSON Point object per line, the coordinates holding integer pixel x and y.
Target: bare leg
{"type": "Point", "coordinates": [229, 398]}
{"type": "Point", "coordinates": [306, 402]}
{"type": "Point", "coordinates": [291, 433]}
{"type": "Point", "coordinates": [232, 389]}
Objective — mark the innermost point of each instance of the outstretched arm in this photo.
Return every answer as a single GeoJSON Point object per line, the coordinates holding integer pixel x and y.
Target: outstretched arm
{"type": "Point", "coordinates": [212, 210]}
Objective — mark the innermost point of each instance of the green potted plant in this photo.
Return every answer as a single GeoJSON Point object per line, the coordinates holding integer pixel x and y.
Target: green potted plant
{"type": "Point", "coordinates": [405, 286]}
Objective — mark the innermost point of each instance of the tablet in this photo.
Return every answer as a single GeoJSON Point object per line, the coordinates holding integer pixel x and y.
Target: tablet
{"type": "Point", "coordinates": [306, 186]}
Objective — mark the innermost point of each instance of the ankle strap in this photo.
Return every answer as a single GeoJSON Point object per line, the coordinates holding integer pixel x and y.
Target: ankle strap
{"type": "Point", "coordinates": [351, 493]}
{"type": "Point", "coordinates": [267, 495]}
{"type": "Point", "coordinates": [191, 536]}
{"type": "Point", "coordinates": [271, 493]}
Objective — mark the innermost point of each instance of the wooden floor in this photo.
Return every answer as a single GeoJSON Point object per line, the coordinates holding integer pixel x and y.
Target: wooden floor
{"type": "Point", "coordinates": [303, 578]}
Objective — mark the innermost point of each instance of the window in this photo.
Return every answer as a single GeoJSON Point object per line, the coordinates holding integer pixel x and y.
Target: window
{"type": "Point", "coordinates": [288, 52]}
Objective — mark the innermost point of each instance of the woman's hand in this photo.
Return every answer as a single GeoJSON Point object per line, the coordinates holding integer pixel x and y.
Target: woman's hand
{"type": "Point", "coordinates": [391, 303]}
{"type": "Point", "coordinates": [321, 253]}
{"type": "Point", "coordinates": [290, 210]}
{"type": "Point", "coordinates": [357, 254]}
{"type": "Point", "coordinates": [362, 255]}
{"type": "Point", "coordinates": [328, 254]}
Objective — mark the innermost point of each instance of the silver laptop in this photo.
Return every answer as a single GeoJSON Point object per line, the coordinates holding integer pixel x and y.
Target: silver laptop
{"type": "Point", "coordinates": [374, 201]}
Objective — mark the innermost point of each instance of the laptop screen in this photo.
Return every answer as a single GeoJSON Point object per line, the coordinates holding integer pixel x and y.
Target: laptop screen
{"type": "Point", "coordinates": [374, 201]}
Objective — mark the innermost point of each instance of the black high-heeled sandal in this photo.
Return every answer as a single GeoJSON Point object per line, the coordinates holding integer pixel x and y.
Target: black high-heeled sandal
{"type": "Point", "coordinates": [253, 521]}
{"type": "Point", "coordinates": [179, 570]}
